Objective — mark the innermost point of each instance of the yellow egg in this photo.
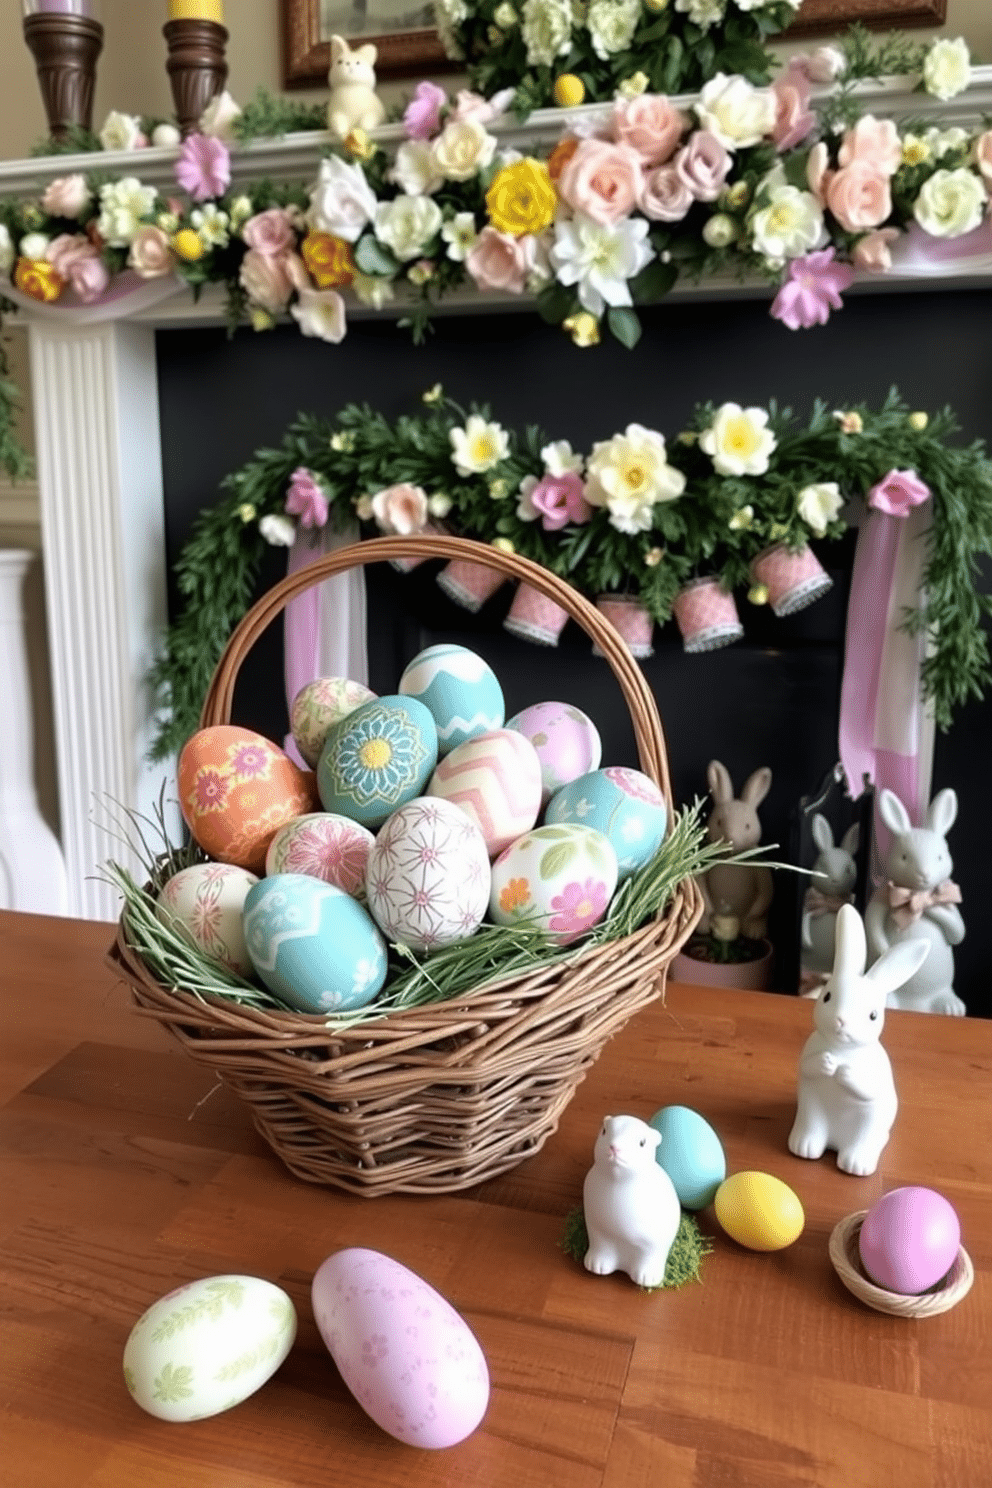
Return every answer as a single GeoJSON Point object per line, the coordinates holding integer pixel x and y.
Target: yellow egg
{"type": "Point", "coordinates": [759, 1211]}
{"type": "Point", "coordinates": [569, 90]}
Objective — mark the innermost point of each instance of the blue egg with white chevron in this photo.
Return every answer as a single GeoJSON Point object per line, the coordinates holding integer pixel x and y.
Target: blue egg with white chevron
{"type": "Point", "coordinates": [459, 688]}
{"type": "Point", "coordinates": [624, 804]}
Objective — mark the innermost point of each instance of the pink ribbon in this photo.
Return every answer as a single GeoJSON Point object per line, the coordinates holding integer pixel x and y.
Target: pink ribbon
{"type": "Point", "coordinates": [817, 903]}
{"type": "Point", "coordinates": [908, 905]}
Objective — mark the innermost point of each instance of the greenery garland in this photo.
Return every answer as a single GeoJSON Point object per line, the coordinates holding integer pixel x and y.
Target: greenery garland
{"type": "Point", "coordinates": [799, 482]}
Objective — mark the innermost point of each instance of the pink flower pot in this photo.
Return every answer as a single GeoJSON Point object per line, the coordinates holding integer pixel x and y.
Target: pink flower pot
{"type": "Point", "coordinates": [469, 584]}
{"type": "Point", "coordinates": [753, 976]}
{"type": "Point", "coordinates": [407, 565]}
{"type": "Point", "coordinates": [534, 617]}
{"type": "Point", "coordinates": [793, 580]}
{"type": "Point", "coordinates": [631, 619]}
{"type": "Point", "coordinates": [706, 615]}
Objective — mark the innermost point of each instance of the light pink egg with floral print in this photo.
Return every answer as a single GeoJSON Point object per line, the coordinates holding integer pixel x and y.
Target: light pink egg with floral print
{"type": "Point", "coordinates": [566, 739]}
{"type": "Point", "coordinates": [559, 878]}
{"type": "Point", "coordinates": [323, 845]}
{"type": "Point", "coordinates": [205, 902]}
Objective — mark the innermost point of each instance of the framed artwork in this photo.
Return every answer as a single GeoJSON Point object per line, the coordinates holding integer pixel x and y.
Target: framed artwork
{"type": "Point", "coordinates": [819, 17]}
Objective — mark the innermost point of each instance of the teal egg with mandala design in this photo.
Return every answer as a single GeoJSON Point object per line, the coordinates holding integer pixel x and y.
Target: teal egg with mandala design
{"type": "Point", "coordinates": [377, 759]}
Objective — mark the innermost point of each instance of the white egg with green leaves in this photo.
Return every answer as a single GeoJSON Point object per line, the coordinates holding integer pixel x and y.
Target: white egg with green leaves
{"type": "Point", "coordinates": [207, 1346]}
{"type": "Point", "coordinates": [558, 878]}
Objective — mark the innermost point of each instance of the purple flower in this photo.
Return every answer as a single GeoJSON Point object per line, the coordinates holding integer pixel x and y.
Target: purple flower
{"type": "Point", "coordinates": [811, 290]}
{"type": "Point", "coordinates": [898, 492]}
{"type": "Point", "coordinates": [560, 499]}
{"type": "Point", "coordinates": [204, 167]}
{"type": "Point", "coordinates": [423, 113]}
{"type": "Point", "coordinates": [305, 498]}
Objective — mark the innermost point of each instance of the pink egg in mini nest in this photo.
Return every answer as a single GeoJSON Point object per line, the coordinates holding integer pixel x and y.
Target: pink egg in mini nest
{"type": "Point", "coordinates": [909, 1240]}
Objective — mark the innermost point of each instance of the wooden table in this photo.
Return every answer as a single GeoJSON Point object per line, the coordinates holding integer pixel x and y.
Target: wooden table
{"type": "Point", "coordinates": [126, 1173]}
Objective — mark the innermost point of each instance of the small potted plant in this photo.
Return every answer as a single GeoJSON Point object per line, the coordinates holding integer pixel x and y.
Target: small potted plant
{"type": "Point", "coordinates": [724, 957]}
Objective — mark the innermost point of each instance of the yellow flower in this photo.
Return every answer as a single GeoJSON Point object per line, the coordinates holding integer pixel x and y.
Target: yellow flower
{"type": "Point", "coordinates": [503, 545]}
{"type": "Point", "coordinates": [777, 530]}
{"type": "Point", "coordinates": [188, 245]}
{"type": "Point", "coordinates": [261, 320]}
{"type": "Point", "coordinates": [688, 437]}
{"type": "Point", "coordinates": [343, 443]}
{"type": "Point", "coordinates": [584, 328]}
{"type": "Point", "coordinates": [850, 422]}
{"type": "Point", "coordinates": [433, 394]}
{"type": "Point", "coordinates": [742, 519]}
{"type": "Point", "coordinates": [634, 86]}
{"type": "Point", "coordinates": [328, 259]}
{"type": "Point", "coordinates": [357, 143]}
{"type": "Point", "coordinates": [915, 151]}
{"type": "Point", "coordinates": [37, 278]}
{"type": "Point", "coordinates": [653, 557]}
{"type": "Point", "coordinates": [498, 489]}
{"type": "Point", "coordinates": [521, 198]}
{"type": "Point", "coordinates": [656, 5]}
{"type": "Point", "coordinates": [918, 421]}
{"type": "Point", "coordinates": [246, 512]}
{"type": "Point", "coordinates": [735, 196]}
{"type": "Point", "coordinates": [758, 594]}
{"type": "Point", "coordinates": [569, 90]}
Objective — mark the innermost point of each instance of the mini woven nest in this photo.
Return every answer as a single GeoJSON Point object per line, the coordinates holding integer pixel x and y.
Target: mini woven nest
{"type": "Point", "coordinates": [438, 1097]}
{"type": "Point", "coordinates": [846, 1260]}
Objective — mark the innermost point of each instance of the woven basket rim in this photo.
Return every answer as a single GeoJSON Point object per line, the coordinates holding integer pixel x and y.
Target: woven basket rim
{"type": "Point", "coordinates": [846, 1262]}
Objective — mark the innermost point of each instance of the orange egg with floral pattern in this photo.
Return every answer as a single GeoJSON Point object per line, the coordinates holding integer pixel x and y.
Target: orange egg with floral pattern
{"type": "Point", "coordinates": [236, 789]}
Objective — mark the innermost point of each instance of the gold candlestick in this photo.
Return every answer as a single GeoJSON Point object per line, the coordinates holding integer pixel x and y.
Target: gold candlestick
{"type": "Point", "coordinates": [65, 49]}
{"type": "Point", "coordinates": [196, 66]}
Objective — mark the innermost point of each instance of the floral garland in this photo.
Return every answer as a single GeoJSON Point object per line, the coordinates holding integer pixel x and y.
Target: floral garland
{"type": "Point", "coordinates": [637, 515]}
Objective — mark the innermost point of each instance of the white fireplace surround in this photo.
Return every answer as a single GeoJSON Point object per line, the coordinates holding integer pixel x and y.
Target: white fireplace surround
{"type": "Point", "coordinates": [101, 488]}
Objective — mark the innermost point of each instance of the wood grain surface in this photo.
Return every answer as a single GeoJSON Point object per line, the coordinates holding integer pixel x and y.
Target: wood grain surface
{"type": "Point", "coordinates": [124, 1172]}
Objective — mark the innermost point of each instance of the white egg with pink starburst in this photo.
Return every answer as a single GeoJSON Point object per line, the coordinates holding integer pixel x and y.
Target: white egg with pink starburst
{"type": "Point", "coordinates": [428, 878]}
{"type": "Point", "coordinates": [323, 845]}
{"type": "Point", "coordinates": [205, 903]}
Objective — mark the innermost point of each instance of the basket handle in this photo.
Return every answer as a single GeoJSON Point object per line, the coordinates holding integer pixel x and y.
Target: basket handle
{"type": "Point", "coordinates": [648, 731]}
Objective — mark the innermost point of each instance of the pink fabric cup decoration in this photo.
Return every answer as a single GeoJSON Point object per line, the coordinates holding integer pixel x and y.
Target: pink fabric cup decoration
{"type": "Point", "coordinates": [534, 617]}
{"type": "Point", "coordinates": [59, 7]}
{"type": "Point", "coordinates": [407, 565]}
{"type": "Point", "coordinates": [627, 615]}
{"type": "Point", "coordinates": [793, 580]}
{"type": "Point", "coordinates": [469, 584]}
{"type": "Point", "coordinates": [706, 615]}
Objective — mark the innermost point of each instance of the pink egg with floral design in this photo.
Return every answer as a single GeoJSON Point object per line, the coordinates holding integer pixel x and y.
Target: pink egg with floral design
{"type": "Point", "coordinates": [323, 845]}
{"type": "Point", "coordinates": [566, 739]}
{"type": "Point", "coordinates": [496, 780]}
{"type": "Point", "coordinates": [318, 706]}
{"type": "Point", "coordinates": [559, 878]}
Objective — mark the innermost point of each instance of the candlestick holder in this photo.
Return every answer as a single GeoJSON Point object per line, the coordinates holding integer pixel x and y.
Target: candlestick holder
{"type": "Point", "coordinates": [65, 39]}
{"type": "Point", "coordinates": [196, 65]}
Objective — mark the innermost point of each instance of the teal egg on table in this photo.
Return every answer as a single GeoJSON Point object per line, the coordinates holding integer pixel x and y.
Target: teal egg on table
{"type": "Point", "coordinates": [461, 691]}
{"type": "Point", "coordinates": [691, 1154]}
{"type": "Point", "coordinates": [313, 946]}
{"type": "Point", "coordinates": [376, 759]}
{"type": "Point", "coordinates": [624, 804]}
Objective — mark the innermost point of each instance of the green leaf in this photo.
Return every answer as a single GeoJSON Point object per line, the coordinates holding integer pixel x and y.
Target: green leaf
{"type": "Point", "coordinates": [654, 282]}
{"type": "Point", "coordinates": [556, 860]}
{"type": "Point", "coordinates": [372, 258]}
{"type": "Point", "coordinates": [624, 325]}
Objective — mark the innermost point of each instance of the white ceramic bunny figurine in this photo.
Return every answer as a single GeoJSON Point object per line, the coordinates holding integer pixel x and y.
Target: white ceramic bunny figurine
{"type": "Point", "coordinates": [835, 874]}
{"type": "Point", "coordinates": [740, 890]}
{"type": "Point", "coordinates": [353, 103]}
{"type": "Point", "coordinates": [919, 902]}
{"type": "Point", "coordinates": [632, 1211]}
{"type": "Point", "coordinates": [847, 1096]}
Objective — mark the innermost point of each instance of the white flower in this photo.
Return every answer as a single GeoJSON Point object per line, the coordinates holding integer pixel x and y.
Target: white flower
{"type": "Point", "coordinates": [277, 530]}
{"type": "Point", "coordinates": [736, 112]}
{"type": "Point", "coordinates": [165, 136]}
{"type": "Point", "coordinates": [121, 132]}
{"type": "Point", "coordinates": [69, 196]}
{"type": "Point", "coordinates": [505, 16]}
{"type": "Point", "coordinates": [790, 225]}
{"type": "Point", "coordinates": [629, 474]}
{"type": "Point", "coordinates": [719, 231]}
{"type": "Point", "coordinates": [742, 520]}
{"type": "Point", "coordinates": [452, 11]}
{"type": "Point", "coordinates": [168, 222]}
{"type": "Point", "coordinates": [462, 149]}
{"type": "Point", "coordinates": [947, 68]}
{"type": "Point", "coordinates": [363, 508]}
{"type": "Point", "coordinates": [122, 206]}
{"type": "Point", "coordinates": [372, 290]}
{"type": "Point", "coordinates": [825, 64]}
{"type": "Point", "coordinates": [439, 505]}
{"type": "Point", "coordinates": [342, 201]}
{"type": "Point", "coordinates": [633, 86]}
{"type": "Point", "coordinates": [612, 24]}
{"type": "Point", "coordinates": [460, 234]}
{"type": "Point", "coordinates": [407, 225]}
{"type": "Point", "coordinates": [560, 459]}
{"type": "Point", "coordinates": [320, 312]}
{"type": "Point", "coordinates": [34, 245]}
{"type": "Point", "coordinates": [7, 254]}
{"type": "Point", "coordinates": [218, 116]}
{"type": "Point", "coordinates": [703, 13]}
{"type": "Point", "coordinates": [940, 142]}
{"type": "Point", "coordinates": [212, 225]}
{"type": "Point", "coordinates": [547, 31]}
{"type": "Point", "coordinates": [526, 510]}
{"type": "Point", "coordinates": [241, 210]}
{"type": "Point", "coordinates": [479, 446]}
{"type": "Point", "coordinates": [738, 441]}
{"type": "Point", "coordinates": [600, 258]}
{"type": "Point", "coordinates": [950, 203]}
{"type": "Point", "coordinates": [415, 170]}
{"type": "Point", "coordinates": [818, 505]}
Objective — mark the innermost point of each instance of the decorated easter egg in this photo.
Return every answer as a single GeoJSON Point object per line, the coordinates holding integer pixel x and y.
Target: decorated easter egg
{"type": "Point", "coordinates": [496, 780]}
{"type": "Point", "coordinates": [236, 789]}
{"type": "Point", "coordinates": [377, 758]}
{"type": "Point", "coordinates": [318, 705]}
{"type": "Point", "coordinates": [909, 1240]}
{"type": "Point", "coordinates": [326, 846]}
{"type": "Point", "coordinates": [624, 804]}
{"type": "Point", "coordinates": [427, 880]}
{"type": "Point", "coordinates": [207, 1346]}
{"type": "Point", "coordinates": [206, 901]}
{"type": "Point", "coordinates": [759, 1211]}
{"type": "Point", "coordinates": [313, 946]}
{"type": "Point", "coordinates": [691, 1154]}
{"type": "Point", "coordinates": [460, 689]}
{"type": "Point", "coordinates": [566, 739]}
{"type": "Point", "coordinates": [560, 879]}
{"type": "Point", "coordinates": [410, 1360]}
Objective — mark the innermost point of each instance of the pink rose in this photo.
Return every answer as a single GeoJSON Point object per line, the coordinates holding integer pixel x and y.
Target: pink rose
{"type": "Point", "coordinates": [306, 498]}
{"type": "Point", "coordinates": [269, 232]}
{"type": "Point", "coordinates": [499, 261]}
{"type": "Point", "coordinates": [67, 249]}
{"type": "Point", "coordinates": [664, 196]}
{"type": "Point", "coordinates": [983, 156]}
{"type": "Point", "coordinates": [703, 165]}
{"type": "Point", "coordinates": [400, 509]}
{"type": "Point", "coordinates": [69, 196]}
{"type": "Point", "coordinates": [650, 125]}
{"type": "Point", "coordinates": [265, 281]}
{"type": "Point", "coordinates": [296, 272]}
{"type": "Point", "coordinates": [818, 173]}
{"type": "Point", "coordinates": [898, 492]}
{"type": "Point", "coordinates": [824, 64]}
{"type": "Point", "coordinates": [871, 253]}
{"type": "Point", "coordinates": [859, 196]}
{"type": "Point", "coordinates": [793, 117]}
{"type": "Point", "coordinates": [150, 254]}
{"type": "Point", "coordinates": [560, 499]}
{"type": "Point", "coordinates": [422, 118]}
{"type": "Point", "coordinates": [873, 142]}
{"type": "Point", "coordinates": [602, 180]}
{"type": "Point", "coordinates": [469, 105]}
{"type": "Point", "coordinates": [89, 278]}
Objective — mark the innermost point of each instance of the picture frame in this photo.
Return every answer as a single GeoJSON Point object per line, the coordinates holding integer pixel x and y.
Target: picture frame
{"type": "Point", "coordinates": [820, 17]}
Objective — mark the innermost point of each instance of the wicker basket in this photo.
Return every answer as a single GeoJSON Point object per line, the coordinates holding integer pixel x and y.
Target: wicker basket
{"type": "Point", "coordinates": [435, 1098]}
{"type": "Point", "coordinates": [846, 1259]}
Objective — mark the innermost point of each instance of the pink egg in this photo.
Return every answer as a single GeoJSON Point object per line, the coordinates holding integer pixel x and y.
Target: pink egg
{"type": "Point", "coordinates": [326, 846]}
{"type": "Point", "coordinates": [909, 1240]}
{"type": "Point", "coordinates": [495, 778]}
{"type": "Point", "coordinates": [566, 739]}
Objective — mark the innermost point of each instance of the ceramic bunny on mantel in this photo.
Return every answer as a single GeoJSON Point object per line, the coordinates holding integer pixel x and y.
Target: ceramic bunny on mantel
{"type": "Point", "coordinates": [353, 103]}
{"type": "Point", "coordinates": [632, 1211]}
{"type": "Point", "coordinates": [835, 873]}
{"type": "Point", "coordinates": [742, 891]}
{"type": "Point", "coordinates": [919, 902]}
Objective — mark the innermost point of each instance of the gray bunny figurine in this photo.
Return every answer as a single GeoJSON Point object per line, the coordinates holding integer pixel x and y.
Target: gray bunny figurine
{"type": "Point", "coordinates": [835, 874]}
{"type": "Point", "coordinates": [740, 890]}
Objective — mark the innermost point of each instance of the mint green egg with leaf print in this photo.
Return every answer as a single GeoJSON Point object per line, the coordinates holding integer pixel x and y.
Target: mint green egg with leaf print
{"type": "Point", "coordinates": [560, 878]}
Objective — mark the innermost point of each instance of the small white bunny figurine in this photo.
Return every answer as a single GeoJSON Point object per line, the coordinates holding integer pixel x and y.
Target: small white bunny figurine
{"type": "Point", "coordinates": [632, 1211]}
{"type": "Point", "coordinates": [835, 874]}
{"type": "Point", "coordinates": [847, 1096]}
{"type": "Point", "coordinates": [919, 902]}
{"type": "Point", "coordinates": [353, 103]}
{"type": "Point", "coordinates": [740, 890]}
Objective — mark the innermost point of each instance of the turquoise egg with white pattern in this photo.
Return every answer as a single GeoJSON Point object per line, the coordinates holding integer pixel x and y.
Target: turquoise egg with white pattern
{"type": "Point", "coordinates": [376, 759]}
{"type": "Point", "coordinates": [624, 804]}
{"type": "Point", "coordinates": [312, 945]}
{"type": "Point", "coordinates": [460, 689]}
